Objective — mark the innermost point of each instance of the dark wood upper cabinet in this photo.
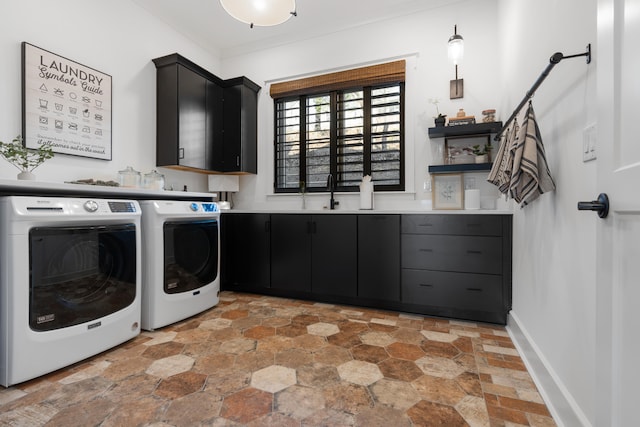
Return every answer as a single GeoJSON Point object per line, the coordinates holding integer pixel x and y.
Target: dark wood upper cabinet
{"type": "Point", "coordinates": [204, 123]}
{"type": "Point", "coordinates": [240, 150]}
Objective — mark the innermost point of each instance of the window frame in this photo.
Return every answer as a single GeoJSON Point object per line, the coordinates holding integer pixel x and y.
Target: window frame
{"type": "Point", "coordinates": [333, 143]}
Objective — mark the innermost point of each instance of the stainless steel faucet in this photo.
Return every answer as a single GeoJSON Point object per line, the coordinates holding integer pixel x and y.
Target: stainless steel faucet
{"type": "Point", "coordinates": [331, 187]}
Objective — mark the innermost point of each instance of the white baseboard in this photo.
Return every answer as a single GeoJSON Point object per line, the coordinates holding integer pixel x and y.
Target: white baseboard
{"type": "Point", "coordinates": [563, 408]}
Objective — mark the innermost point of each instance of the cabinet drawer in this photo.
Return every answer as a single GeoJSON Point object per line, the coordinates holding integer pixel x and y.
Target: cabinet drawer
{"type": "Point", "coordinates": [466, 225]}
{"type": "Point", "coordinates": [462, 291]}
{"type": "Point", "coordinates": [452, 253]}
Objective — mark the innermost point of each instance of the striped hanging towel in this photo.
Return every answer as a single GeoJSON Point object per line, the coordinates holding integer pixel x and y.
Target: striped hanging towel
{"type": "Point", "coordinates": [502, 168]}
{"type": "Point", "coordinates": [531, 176]}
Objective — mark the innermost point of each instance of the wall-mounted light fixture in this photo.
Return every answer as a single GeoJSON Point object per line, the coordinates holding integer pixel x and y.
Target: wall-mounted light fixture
{"type": "Point", "coordinates": [263, 13]}
{"type": "Point", "coordinates": [456, 52]}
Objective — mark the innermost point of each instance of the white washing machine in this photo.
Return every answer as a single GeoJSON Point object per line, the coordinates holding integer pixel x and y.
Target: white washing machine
{"type": "Point", "coordinates": [181, 259]}
{"type": "Point", "coordinates": [70, 281]}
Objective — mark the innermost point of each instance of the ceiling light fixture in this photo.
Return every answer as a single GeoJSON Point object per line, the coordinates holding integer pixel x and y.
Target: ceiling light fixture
{"type": "Point", "coordinates": [456, 52]}
{"type": "Point", "coordinates": [263, 13]}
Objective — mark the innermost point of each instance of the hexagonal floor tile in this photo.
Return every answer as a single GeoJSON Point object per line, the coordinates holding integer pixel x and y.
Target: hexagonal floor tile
{"type": "Point", "coordinates": [323, 329]}
{"type": "Point", "coordinates": [273, 378]}
{"type": "Point", "coordinates": [381, 339]}
{"type": "Point", "coordinates": [439, 367]}
{"type": "Point", "coordinates": [396, 394]}
{"type": "Point", "coordinates": [169, 366]}
{"type": "Point", "coordinates": [359, 372]}
{"type": "Point", "coordinates": [246, 405]}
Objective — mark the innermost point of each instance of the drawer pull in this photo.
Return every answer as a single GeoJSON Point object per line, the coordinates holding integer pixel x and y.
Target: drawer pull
{"type": "Point", "coordinates": [474, 225]}
{"type": "Point", "coordinates": [474, 252]}
{"type": "Point", "coordinates": [474, 289]}
{"type": "Point", "coordinates": [425, 250]}
{"type": "Point", "coordinates": [426, 285]}
{"type": "Point", "coordinates": [425, 225]}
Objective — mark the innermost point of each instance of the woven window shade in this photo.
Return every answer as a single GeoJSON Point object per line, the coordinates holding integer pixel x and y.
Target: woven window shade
{"type": "Point", "coordinates": [391, 72]}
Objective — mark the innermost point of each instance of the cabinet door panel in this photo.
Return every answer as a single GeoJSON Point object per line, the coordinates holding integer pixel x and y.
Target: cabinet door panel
{"type": "Point", "coordinates": [291, 252]}
{"type": "Point", "coordinates": [215, 125]}
{"type": "Point", "coordinates": [466, 225]}
{"type": "Point", "coordinates": [245, 256]}
{"type": "Point", "coordinates": [192, 110]}
{"type": "Point", "coordinates": [379, 257]}
{"type": "Point", "coordinates": [452, 253]}
{"type": "Point", "coordinates": [464, 291]}
{"type": "Point", "coordinates": [334, 249]}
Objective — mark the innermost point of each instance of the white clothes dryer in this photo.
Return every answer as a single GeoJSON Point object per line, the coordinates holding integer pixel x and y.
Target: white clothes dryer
{"type": "Point", "coordinates": [181, 260]}
{"type": "Point", "coordinates": [70, 281]}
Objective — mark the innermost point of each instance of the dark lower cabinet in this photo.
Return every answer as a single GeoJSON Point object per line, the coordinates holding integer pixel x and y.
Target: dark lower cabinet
{"type": "Point", "coordinates": [451, 265]}
{"type": "Point", "coordinates": [448, 290]}
{"type": "Point", "coordinates": [291, 252]}
{"type": "Point", "coordinates": [334, 255]}
{"type": "Point", "coordinates": [457, 265]}
{"type": "Point", "coordinates": [379, 257]}
{"type": "Point", "coordinates": [246, 252]}
{"type": "Point", "coordinates": [314, 253]}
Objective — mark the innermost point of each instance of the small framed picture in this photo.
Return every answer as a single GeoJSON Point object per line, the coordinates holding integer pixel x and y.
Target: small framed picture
{"type": "Point", "coordinates": [447, 191]}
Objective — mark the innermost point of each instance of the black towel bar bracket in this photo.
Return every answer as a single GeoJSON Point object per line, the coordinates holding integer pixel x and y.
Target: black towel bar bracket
{"type": "Point", "coordinates": [555, 59]}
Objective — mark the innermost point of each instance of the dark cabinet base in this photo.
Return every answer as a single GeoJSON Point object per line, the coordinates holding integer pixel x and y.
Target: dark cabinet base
{"type": "Point", "coordinates": [454, 266]}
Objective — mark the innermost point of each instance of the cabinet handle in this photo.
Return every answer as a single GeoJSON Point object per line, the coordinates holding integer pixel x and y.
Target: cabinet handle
{"type": "Point", "coordinates": [425, 225]}
{"type": "Point", "coordinates": [474, 225]}
{"type": "Point", "coordinates": [238, 161]}
{"type": "Point", "coordinates": [181, 153]}
{"type": "Point", "coordinates": [425, 250]}
{"type": "Point", "coordinates": [426, 285]}
{"type": "Point", "coordinates": [313, 227]}
{"type": "Point", "coordinates": [267, 226]}
{"type": "Point", "coordinates": [474, 289]}
{"type": "Point", "coordinates": [474, 252]}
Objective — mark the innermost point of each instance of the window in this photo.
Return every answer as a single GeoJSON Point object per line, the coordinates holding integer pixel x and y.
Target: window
{"type": "Point", "coordinates": [346, 132]}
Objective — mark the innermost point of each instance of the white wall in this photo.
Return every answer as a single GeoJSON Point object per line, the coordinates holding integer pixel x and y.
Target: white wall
{"type": "Point", "coordinates": [115, 37]}
{"type": "Point", "coordinates": [422, 40]}
{"type": "Point", "coordinates": [554, 255]}
{"type": "Point", "coordinates": [554, 244]}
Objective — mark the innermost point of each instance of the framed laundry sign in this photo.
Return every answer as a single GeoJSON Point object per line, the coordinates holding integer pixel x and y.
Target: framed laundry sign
{"type": "Point", "coordinates": [447, 191]}
{"type": "Point", "coordinates": [65, 105]}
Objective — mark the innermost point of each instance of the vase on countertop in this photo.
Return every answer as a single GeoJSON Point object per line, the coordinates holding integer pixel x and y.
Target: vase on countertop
{"type": "Point", "coordinates": [26, 176]}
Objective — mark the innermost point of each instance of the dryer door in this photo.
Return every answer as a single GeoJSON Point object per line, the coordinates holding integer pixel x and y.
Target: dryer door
{"type": "Point", "coordinates": [79, 274]}
{"type": "Point", "coordinates": [190, 254]}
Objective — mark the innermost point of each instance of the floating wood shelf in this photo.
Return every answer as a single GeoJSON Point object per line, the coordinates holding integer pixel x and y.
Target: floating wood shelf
{"type": "Point", "coordinates": [464, 167]}
{"type": "Point", "coordinates": [462, 130]}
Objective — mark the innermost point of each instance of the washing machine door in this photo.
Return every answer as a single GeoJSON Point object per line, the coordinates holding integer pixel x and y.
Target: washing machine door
{"type": "Point", "coordinates": [190, 254]}
{"type": "Point", "coordinates": [80, 274]}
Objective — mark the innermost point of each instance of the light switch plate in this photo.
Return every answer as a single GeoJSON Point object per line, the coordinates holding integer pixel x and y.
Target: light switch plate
{"type": "Point", "coordinates": [589, 138]}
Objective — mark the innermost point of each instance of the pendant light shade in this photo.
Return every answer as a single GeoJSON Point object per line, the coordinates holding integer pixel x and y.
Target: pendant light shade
{"type": "Point", "coordinates": [456, 51]}
{"type": "Point", "coordinates": [456, 47]}
{"type": "Point", "coordinates": [262, 13]}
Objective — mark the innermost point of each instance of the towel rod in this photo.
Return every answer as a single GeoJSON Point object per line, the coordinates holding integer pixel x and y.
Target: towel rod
{"type": "Point", "coordinates": [555, 59]}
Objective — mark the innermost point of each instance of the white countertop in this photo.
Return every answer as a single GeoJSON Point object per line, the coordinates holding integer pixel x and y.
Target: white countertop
{"type": "Point", "coordinates": [44, 188]}
{"type": "Point", "coordinates": [373, 211]}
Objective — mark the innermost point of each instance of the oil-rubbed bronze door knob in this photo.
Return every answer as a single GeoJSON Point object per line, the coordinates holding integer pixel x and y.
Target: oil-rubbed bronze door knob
{"type": "Point", "coordinates": [601, 205]}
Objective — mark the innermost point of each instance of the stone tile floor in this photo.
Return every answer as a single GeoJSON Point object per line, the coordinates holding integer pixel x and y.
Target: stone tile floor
{"type": "Point", "coordinates": [265, 361]}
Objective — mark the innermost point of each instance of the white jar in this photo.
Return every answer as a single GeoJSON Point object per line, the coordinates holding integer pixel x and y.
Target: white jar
{"type": "Point", "coordinates": [129, 177]}
{"type": "Point", "coordinates": [153, 180]}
